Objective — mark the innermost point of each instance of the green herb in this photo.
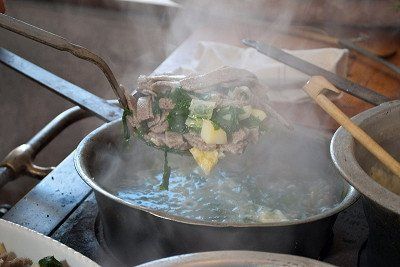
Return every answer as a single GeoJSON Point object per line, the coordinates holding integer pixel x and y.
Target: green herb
{"type": "Point", "coordinates": [178, 115]}
{"type": "Point", "coordinates": [227, 118]}
{"type": "Point", "coordinates": [215, 125]}
{"type": "Point", "coordinates": [166, 173]}
{"type": "Point", "coordinates": [49, 261]}
{"type": "Point", "coordinates": [251, 122]}
{"type": "Point", "coordinates": [181, 98]}
{"type": "Point", "coordinates": [194, 124]}
{"type": "Point", "coordinates": [199, 110]}
{"type": "Point", "coordinates": [126, 132]}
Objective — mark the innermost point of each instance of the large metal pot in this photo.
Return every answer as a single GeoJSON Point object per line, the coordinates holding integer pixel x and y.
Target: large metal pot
{"type": "Point", "coordinates": [381, 206]}
{"type": "Point", "coordinates": [235, 258]}
{"type": "Point", "coordinates": [136, 234]}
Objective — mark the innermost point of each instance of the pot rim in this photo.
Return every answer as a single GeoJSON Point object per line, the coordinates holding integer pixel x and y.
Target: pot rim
{"type": "Point", "coordinates": [342, 154]}
{"type": "Point", "coordinates": [242, 257]}
{"type": "Point", "coordinates": [351, 196]}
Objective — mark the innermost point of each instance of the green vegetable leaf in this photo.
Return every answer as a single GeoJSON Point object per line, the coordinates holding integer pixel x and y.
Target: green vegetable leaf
{"type": "Point", "coordinates": [227, 118]}
{"type": "Point", "coordinates": [181, 98]}
{"type": "Point", "coordinates": [199, 110]}
{"type": "Point", "coordinates": [126, 132]}
{"type": "Point", "coordinates": [250, 122]}
{"type": "Point", "coordinates": [166, 173]}
{"type": "Point", "coordinates": [178, 115]}
{"type": "Point", "coordinates": [49, 261]}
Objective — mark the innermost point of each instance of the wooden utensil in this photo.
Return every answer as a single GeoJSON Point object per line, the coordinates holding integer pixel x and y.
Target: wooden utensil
{"type": "Point", "coordinates": [316, 87]}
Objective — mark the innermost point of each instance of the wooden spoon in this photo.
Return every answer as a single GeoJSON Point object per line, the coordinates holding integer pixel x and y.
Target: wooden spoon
{"type": "Point", "coordinates": [315, 87]}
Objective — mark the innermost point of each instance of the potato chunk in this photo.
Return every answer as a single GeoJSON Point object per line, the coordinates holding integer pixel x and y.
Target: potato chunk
{"type": "Point", "coordinates": [212, 136]}
{"type": "Point", "coordinates": [205, 159]}
{"type": "Point", "coordinates": [259, 114]}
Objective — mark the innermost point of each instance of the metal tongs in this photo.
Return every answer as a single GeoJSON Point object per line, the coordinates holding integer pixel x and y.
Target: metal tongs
{"type": "Point", "coordinates": [62, 44]}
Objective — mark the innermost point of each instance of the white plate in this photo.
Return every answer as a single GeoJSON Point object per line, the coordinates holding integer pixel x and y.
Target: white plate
{"type": "Point", "coordinates": [27, 243]}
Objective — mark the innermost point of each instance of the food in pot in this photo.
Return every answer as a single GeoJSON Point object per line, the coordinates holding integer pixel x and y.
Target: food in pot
{"type": "Point", "coordinates": [9, 259]}
{"type": "Point", "coordinates": [386, 178]}
{"type": "Point", "coordinates": [284, 177]}
{"type": "Point", "coordinates": [208, 115]}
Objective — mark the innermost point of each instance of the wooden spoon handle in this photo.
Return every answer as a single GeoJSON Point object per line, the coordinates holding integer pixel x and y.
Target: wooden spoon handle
{"type": "Point", "coordinates": [359, 134]}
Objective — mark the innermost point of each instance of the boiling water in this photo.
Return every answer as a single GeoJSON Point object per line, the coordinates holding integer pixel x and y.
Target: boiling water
{"type": "Point", "coordinates": [226, 197]}
{"type": "Point", "coordinates": [252, 188]}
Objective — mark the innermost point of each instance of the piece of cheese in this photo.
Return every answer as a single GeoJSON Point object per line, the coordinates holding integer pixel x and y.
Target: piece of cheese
{"type": "Point", "coordinates": [205, 159]}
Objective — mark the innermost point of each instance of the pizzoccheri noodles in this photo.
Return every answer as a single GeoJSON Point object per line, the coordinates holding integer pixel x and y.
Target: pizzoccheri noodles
{"type": "Point", "coordinates": [207, 115]}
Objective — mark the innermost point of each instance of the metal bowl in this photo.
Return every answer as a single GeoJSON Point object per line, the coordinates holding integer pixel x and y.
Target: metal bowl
{"type": "Point", "coordinates": [136, 234]}
{"type": "Point", "coordinates": [381, 206]}
{"type": "Point", "coordinates": [235, 258]}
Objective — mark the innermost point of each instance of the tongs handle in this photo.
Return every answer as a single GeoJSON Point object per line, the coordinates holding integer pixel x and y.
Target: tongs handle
{"type": "Point", "coordinates": [62, 44]}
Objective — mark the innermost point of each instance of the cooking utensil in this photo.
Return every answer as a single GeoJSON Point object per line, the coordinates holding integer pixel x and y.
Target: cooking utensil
{"type": "Point", "coordinates": [128, 227]}
{"type": "Point", "coordinates": [235, 258]}
{"type": "Point", "coordinates": [315, 88]}
{"type": "Point", "coordinates": [343, 84]}
{"type": "Point", "coordinates": [62, 44]}
{"type": "Point", "coordinates": [97, 106]}
{"type": "Point", "coordinates": [381, 206]}
{"type": "Point", "coordinates": [374, 54]}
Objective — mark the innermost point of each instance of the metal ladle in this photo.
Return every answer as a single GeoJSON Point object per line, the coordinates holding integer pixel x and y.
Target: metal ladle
{"type": "Point", "coordinates": [62, 44]}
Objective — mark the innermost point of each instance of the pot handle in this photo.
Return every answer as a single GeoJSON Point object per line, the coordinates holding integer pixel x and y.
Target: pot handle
{"type": "Point", "coordinates": [20, 160]}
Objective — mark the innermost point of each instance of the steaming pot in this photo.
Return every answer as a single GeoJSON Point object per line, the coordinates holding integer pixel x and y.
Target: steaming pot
{"type": "Point", "coordinates": [136, 234]}
{"type": "Point", "coordinates": [381, 206]}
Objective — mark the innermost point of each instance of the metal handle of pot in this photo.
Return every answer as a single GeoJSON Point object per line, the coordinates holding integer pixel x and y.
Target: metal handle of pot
{"type": "Point", "coordinates": [6, 175]}
{"type": "Point", "coordinates": [20, 160]}
{"type": "Point", "coordinates": [62, 44]}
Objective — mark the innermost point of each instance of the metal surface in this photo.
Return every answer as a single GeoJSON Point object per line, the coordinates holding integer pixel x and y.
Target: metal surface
{"type": "Point", "coordinates": [350, 45]}
{"type": "Point", "coordinates": [60, 43]}
{"type": "Point", "coordinates": [235, 258]}
{"type": "Point", "coordinates": [382, 207]}
{"type": "Point", "coordinates": [343, 84]}
{"type": "Point", "coordinates": [46, 206]}
{"type": "Point", "coordinates": [128, 227]}
{"type": "Point", "coordinates": [86, 100]}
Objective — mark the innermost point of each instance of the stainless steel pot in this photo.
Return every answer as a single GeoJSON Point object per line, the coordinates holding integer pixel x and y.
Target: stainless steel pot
{"type": "Point", "coordinates": [381, 206]}
{"type": "Point", "coordinates": [235, 258]}
{"type": "Point", "coordinates": [137, 234]}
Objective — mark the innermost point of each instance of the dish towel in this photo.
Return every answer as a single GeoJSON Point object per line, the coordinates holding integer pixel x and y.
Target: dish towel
{"type": "Point", "coordinates": [284, 83]}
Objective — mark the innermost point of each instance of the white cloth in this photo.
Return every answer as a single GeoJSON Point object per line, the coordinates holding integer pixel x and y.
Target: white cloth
{"type": "Point", "coordinates": [284, 82]}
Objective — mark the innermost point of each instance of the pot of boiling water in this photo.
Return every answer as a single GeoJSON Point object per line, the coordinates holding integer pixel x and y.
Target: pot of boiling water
{"type": "Point", "coordinates": [379, 187]}
{"type": "Point", "coordinates": [281, 195]}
